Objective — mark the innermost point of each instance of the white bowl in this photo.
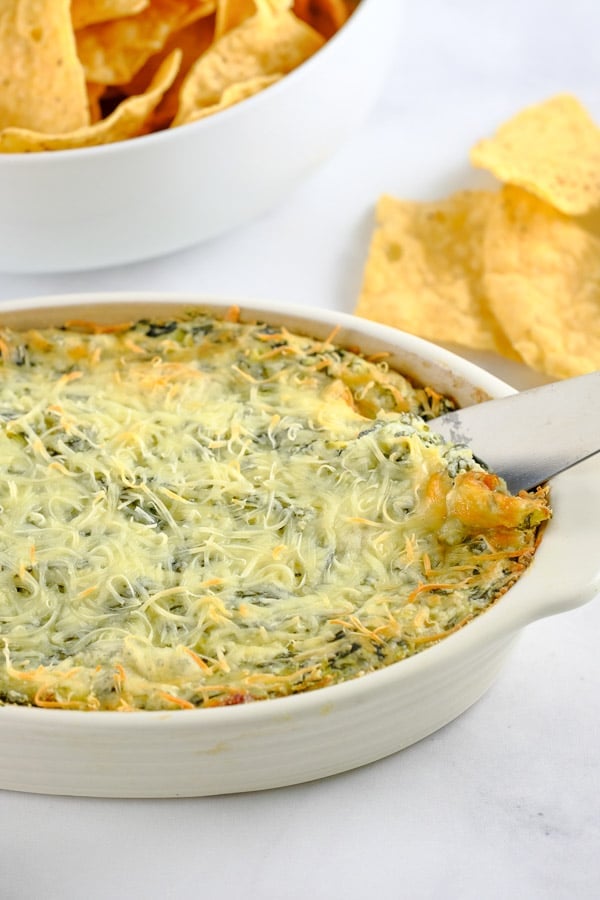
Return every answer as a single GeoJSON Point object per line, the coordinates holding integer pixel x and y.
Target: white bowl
{"type": "Point", "coordinates": [101, 206]}
{"type": "Point", "coordinates": [332, 729]}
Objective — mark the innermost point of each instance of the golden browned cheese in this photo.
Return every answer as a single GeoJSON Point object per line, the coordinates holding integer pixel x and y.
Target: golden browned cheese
{"type": "Point", "coordinates": [203, 512]}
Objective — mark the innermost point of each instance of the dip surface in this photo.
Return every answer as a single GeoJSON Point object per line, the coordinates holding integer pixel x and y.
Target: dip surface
{"type": "Point", "coordinates": [203, 512]}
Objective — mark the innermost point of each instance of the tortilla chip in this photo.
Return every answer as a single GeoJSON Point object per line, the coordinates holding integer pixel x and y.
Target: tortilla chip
{"type": "Point", "coordinates": [591, 221]}
{"type": "Point", "coordinates": [95, 94]}
{"type": "Point", "coordinates": [128, 120]}
{"type": "Point", "coordinates": [272, 42]}
{"type": "Point", "coordinates": [197, 10]}
{"type": "Point", "coordinates": [90, 12]}
{"type": "Point", "coordinates": [231, 13]}
{"type": "Point", "coordinates": [551, 150]}
{"type": "Point", "coordinates": [326, 16]}
{"type": "Point", "coordinates": [542, 281]}
{"type": "Point", "coordinates": [192, 40]}
{"type": "Point", "coordinates": [113, 52]}
{"type": "Point", "coordinates": [424, 268]}
{"type": "Point", "coordinates": [235, 93]}
{"type": "Point", "coordinates": [43, 84]}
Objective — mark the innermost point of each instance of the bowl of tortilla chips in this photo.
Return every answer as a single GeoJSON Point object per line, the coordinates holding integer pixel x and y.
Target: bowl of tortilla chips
{"type": "Point", "coordinates": [132, 128]}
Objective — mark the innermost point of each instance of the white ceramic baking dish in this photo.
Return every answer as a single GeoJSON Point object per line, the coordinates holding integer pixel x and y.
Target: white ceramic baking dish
{"type": "Point", "coordinates": [307, 736]}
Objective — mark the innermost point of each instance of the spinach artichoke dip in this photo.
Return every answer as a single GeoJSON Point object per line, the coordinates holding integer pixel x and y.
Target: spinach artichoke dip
{"type": "Point", "coordinates": [201, 512]}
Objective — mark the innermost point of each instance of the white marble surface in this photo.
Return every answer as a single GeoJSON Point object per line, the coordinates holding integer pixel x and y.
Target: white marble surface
{"type": "Point", "coordinates": [505, 801]}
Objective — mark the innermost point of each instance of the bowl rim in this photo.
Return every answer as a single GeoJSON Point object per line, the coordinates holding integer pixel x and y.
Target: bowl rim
{"type": "Point", "coordinates": [165, 135]}
{"type": "Point", "coordinates": [500, 621]}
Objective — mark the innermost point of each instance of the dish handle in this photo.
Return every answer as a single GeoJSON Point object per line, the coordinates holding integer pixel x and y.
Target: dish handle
{"type": "Point", "coordinates": [565, 572]}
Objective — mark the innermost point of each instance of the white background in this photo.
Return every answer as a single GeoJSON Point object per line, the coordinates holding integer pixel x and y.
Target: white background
{"type": "Point", "coordinates": [505, 801]}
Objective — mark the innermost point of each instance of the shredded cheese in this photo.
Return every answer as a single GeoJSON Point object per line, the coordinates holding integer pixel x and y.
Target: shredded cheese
{"type": "Point", "coordinates": [203, 512]}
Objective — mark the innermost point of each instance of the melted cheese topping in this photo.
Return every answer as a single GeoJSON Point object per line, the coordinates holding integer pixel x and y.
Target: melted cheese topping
{"type": "Point", "coordinates": [203, 512]}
